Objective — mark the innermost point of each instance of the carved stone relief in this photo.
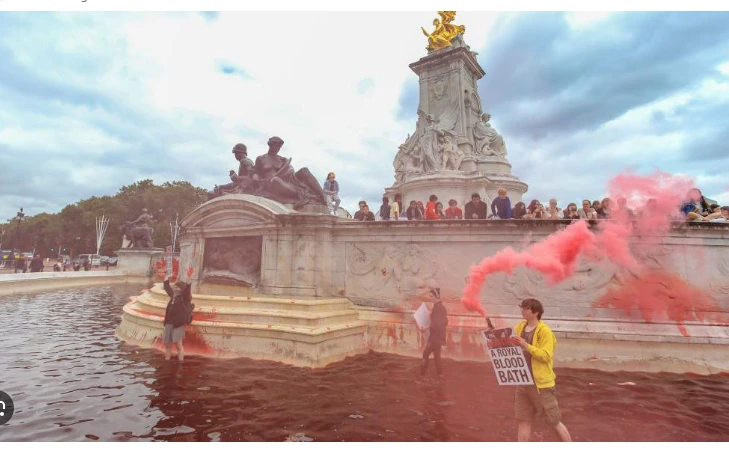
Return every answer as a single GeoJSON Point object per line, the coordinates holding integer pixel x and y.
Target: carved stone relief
{"type": "Point", "coordinates": [387, 275]}
{"type": "Point", "coordinates": [589, 280]}
{"type": "Point", "coordinates": [233, 261]}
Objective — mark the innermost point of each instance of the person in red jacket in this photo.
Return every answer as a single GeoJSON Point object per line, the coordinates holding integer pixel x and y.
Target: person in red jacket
{"type": "Point", "coordinates": [430, 208]}
{"type": "Point", "coordinates": [453, 212]}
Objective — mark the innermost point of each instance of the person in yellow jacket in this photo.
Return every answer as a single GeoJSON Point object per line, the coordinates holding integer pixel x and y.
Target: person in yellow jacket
{"type": "Point", "coordinates": [538, 342]}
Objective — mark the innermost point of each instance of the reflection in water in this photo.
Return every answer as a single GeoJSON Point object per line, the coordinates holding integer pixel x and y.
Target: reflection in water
{"type": "Point", "coordinates": [71, 379]}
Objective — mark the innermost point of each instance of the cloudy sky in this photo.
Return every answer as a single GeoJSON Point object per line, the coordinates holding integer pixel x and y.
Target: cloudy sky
{"type": "Point", "coordinates": [93, 101]}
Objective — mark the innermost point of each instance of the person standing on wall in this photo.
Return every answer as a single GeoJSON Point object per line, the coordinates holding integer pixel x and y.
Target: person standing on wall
{"type": "Point", "coordinates": [177, 314]}
{"type": "Point", "coordinates": [540, 399]}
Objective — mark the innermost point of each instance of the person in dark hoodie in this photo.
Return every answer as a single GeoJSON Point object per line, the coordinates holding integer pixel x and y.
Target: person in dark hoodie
{"type": "Point", "coordinates": [437, 337]}
{"type": "Point", "coordinates": [177, 315]}
{"type": "Point", "coordinates": [36, 265]}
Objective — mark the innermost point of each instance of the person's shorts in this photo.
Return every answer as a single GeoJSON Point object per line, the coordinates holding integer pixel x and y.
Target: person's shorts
{"type": "Point", "coordinates": [531, 403]}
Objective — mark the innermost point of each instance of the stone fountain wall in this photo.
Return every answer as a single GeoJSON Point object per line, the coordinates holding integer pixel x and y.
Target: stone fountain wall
{"type": "Point", "coordinates": [386, 269]}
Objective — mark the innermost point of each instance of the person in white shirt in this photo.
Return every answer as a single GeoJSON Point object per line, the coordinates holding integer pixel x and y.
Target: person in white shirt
{"type": "Point", "coordinates": [553, 212]}
{"type": "Point", "coordinates": [587, 212]}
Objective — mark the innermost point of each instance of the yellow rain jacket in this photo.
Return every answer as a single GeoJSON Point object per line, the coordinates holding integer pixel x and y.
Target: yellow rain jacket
{"type": "Point", "coordinates": [542, 351]}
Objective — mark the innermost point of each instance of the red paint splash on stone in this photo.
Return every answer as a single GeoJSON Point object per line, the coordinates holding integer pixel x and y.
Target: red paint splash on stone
{"type": "Point", "coordinates": [195, 342]}
{"type": "Point", "coordinates": [657, 295]}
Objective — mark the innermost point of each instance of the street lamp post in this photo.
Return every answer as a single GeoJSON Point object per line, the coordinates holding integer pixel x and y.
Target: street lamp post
{"type": "Point", "coordinates": [18, 217]}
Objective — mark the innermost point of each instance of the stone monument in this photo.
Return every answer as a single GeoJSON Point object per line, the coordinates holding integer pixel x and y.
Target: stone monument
{"type": "Point", "coordinates": [138, 251]}
{"type": "Point", "coordinates": [454, 150]}
{"type": "Point", "coordinates": [273, 177]}
{"type": "Point", "coordinates": [138, 233]}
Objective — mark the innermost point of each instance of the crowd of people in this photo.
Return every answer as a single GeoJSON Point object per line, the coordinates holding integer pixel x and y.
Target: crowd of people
{"type": "Point", "coordinates": [694, 208]}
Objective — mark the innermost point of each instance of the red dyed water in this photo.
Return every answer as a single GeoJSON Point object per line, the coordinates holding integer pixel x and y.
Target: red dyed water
{"type": "Point", "coordinates": [72, 380]}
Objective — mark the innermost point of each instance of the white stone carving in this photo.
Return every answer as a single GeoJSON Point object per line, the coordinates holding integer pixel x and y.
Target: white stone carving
{"type": "Point", "coordinates": [385, 275]}
{"type": "Point", "coordinates": [452, 155]}
{"type": "Point", "coordinates": [449, 94]}
{"type": "Point", "coordinates": [487, 141]}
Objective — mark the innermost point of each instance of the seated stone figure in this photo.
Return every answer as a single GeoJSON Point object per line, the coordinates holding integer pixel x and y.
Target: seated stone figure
{"type": "Point", "coordinates": [275, 179]}
{"type": "Point", "coordinates": [272, 177]}
{"type": "Point", "coordinates": [242, 182]}
{"type": "Point", "coordinates": [486, 139]}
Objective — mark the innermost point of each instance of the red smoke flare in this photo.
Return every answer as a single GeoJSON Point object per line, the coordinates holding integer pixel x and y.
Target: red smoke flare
{"type": "Point", "coordinates": [657, 197]}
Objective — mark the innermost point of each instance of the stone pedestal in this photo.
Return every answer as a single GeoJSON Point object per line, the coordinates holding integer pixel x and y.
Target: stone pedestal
{"type": "Point", "coordinates": [138, 261]}
{"type": "Point", "coordinates": [452, 122]}
{"type": "Point", "coordinates": [456, 185]}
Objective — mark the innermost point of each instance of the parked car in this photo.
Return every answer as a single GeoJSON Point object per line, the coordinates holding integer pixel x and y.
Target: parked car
{"type": "Point", "coordinates": [104, 260]}
{"type": "Point", "coordinates": [94, 259]}
{"type": "Point", "coordinates": [112, 261]}
{"type": "Point", "coordinates": [7, 258]}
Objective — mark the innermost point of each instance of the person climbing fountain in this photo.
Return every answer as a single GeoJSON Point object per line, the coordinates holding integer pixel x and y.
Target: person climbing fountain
{"type": "Point", "coordinates": [177, 314]}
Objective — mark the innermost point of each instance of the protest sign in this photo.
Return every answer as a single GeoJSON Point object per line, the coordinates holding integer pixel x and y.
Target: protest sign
{"type": "Point", "coordinates": [422, 316]}
{"type": "Point", "coordinates": [510, 365]}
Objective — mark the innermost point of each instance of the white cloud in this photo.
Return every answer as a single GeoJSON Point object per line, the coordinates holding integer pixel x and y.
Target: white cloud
{"type": "Point", "coordinates": [585, 19]}
{"type": "Point", "coordinates": [143, 95]}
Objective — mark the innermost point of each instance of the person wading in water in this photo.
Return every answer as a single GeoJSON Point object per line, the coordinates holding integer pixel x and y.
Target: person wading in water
{"type": "Point", "coordinates": [178, 314]}
{"type": "Point", "coordinates": [538, 342]}
{"type": "Point", "coordinates": [437, 337]}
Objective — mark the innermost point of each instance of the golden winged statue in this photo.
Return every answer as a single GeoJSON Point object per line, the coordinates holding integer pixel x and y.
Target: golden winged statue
{"type": "Point", "coordinates": [444, 32]}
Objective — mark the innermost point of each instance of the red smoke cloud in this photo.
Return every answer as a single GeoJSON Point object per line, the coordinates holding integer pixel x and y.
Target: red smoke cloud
{"type": "Point", "coordinates": [652, 293]}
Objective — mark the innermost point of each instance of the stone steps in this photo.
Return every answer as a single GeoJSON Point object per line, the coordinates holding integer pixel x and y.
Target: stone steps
{"type": "Point", "coordinates": [259, 301]}
{"type": "Point", "coordinates": [242, 312]}
{"type": "Point", "coordinates": [304, 332]}
{"type": "Point", "coordinates": [290, 332]}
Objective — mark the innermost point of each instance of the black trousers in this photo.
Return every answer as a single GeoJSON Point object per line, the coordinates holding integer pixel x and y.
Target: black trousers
{"type": "Point", "coordinates": [435, 350]}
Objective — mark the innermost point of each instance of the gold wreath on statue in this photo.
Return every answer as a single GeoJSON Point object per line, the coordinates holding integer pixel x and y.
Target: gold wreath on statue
{"type": "Point", "coordinates": [445, 32]}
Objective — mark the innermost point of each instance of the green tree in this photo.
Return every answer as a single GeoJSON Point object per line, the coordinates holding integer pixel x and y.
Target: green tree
{"type": "Point", "coordinates": [74, 227]}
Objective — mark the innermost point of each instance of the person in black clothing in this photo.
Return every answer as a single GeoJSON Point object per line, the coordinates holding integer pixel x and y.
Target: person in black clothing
{"type": "Point", "coordinates": [21, 264]}
{"type": "Point", "coordinates": [476, 209]}
{"type": "Point", "coordinates": [36, 265]}
{"type": "Point", "coordinates": [437, 338]}
{"type": "Point", "coordinates": [87, 264]}
{"type": "Point", "coordinates": [385, 208]}
{"type": "Point", "coordinates": [177, 314]}
{"type": "Point", "coordinates": [413, 213]}
{"type": "Point", "coordinates": [364, 213]}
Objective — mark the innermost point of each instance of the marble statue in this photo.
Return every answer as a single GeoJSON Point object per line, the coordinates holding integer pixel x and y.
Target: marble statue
{"type": "Point", "coordinates": [273, 177]}
{"type": "Point", "coordinates": [428, 147]}
{"type": "Point", "coordinates": [487, 141]}
{"type": "Point", "coordinates": [452, 155]}
{"type": "Point", "coordinates": [445, 32]}
{"type": "Point", "coordinates": [424, 151]}
{"type": "Point", "coordinates": [138, 233]}
{"type": "Point", "coordinates": [406, 161]}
